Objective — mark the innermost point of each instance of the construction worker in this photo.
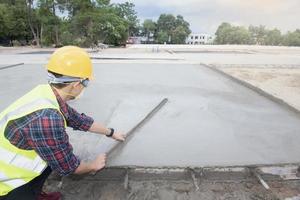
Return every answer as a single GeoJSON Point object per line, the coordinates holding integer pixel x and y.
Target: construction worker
{"type": "Point", "coordinates": [33, 138]}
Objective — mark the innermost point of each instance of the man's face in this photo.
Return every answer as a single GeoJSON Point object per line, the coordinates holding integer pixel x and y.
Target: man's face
{"type": "Point", "coordinates": [76, 89]}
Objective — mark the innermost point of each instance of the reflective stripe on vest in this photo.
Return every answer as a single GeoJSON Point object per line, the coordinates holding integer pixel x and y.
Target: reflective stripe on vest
{"type": "Point", "coordinates": [36, 165]}
{"type": "Point", "coordinates": [25, 108]}
{"type": "Point", "coordinates": [17, 166]}
{"type": "Point", "coordinates": [11, 183]}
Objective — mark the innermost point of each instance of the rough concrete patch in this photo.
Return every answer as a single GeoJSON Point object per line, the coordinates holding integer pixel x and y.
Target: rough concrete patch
{"type": "Point", "coordinates": [288, 172]}
{"type": "Point", "coordinates": [162, 174]}
{"type": "Point", "coordinates": [159, 189]}
{"type": "Point", "coordinates": [176, 183]}
{"type": "Point", "coordinates": [226, 174]}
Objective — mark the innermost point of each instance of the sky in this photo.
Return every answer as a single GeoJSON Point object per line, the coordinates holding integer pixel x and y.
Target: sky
{"type": "Point", "coordinates": [205, 16]}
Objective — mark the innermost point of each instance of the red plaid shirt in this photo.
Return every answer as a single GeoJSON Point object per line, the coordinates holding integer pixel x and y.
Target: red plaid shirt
{"type": "Point", "coordinates": [44, 132]}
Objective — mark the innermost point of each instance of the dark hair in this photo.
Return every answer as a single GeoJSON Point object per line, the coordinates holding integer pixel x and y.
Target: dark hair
{"type": "Point", "coordinates": [58, 85]}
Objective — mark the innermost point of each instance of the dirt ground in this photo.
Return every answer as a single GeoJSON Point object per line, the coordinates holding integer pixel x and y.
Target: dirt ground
{"type": "Point", "coordinates": [119, 184]}
{"type": "Point", "coordinates": [282, 83]}
{"type": "Point", "coordinates": [177, 190]}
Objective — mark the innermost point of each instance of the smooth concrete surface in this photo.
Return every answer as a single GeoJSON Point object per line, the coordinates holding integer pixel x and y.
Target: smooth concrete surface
{"type": "Point", "coordinates": [209, 119]}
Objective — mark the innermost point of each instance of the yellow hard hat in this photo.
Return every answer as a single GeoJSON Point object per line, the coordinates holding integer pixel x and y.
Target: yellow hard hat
{"type": "Point", "coordinates": [71, 61]}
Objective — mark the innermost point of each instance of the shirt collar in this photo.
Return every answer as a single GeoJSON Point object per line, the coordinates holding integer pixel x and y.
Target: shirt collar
{"type": "Point", "coordinates": [62, 104]}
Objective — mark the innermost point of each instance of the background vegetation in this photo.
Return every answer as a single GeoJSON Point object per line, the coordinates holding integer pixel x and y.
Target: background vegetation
{"type": "Point", "coordinates": [258, 35]}
{"type": "Point", "coordinates": [80, 22]}
{"type": "Point", "coordinates": [90, 22]}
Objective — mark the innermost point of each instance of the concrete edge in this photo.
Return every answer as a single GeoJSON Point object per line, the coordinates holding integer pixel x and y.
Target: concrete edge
{"type": "Point", "coordinates": [262, 66]}
{"type": "Point", "coordinates": [11, 66]}
{"type": "Point", "coordinates": [254, 88]}
{"type": "Point", "coordinates": [127, 58]}
{"type": "Point", "coordinates": [205, 174]}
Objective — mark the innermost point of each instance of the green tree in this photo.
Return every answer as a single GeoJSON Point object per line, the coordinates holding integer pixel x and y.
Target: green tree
{"type": "Point", "coordinates": [75, 6]}
{"type": "Point", "coordinates": [149, 27]}
{"type": "Point", "coordinates": [292, 38]}
{"type": "Point", "coordinates": [13, 22]}
{"type": "Point", "coordinates": [273, 37]}
{"type": "Point", "coordinates": [66, 36]}
{"type": "Point", "coordinates": [127, 12]}
{"type": "Point", "coordinates": [102, 3]}
{"type": "Point", "coordinates": [222, 33]}
{"type": "Point", "coordinates": [228, 34]}
{"type": "Point", "coordinates": [177, 28]}
{"type": "Point", "coordinates": [49, 22]}
{"type": "Point", "coordinates": [179, 35]}
{"type": "Point", "coordinates": [183, 24]}
{"type": "Point", "coordinates": [166, 23]}
{"type": "Point", "coordinates": [239, 35]}
{"type": "Point", "coordinates": [87, 23]}
{"type": "Point", "coordinates": [162, 37]}
{"type": "Point", "coordinates": [116, 31]}
{"type": "Point", "coordinates": [5, 18]}
{"type": "Point", "coordinates": [99, 25]}
{"type": "Point", "coordinates": [259, 34]}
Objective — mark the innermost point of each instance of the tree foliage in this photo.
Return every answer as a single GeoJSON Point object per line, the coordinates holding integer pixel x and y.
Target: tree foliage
{"type": "Point", "coordinates": [62, 22]}
{"type": "Point", "coordinates": [292, 38]}
{"type": "Point", "coordinates": [167, 29]}
{"type": "Point", "coordinates": [13, 22]}
{"type": "Point", "coordinates": [149, 27]}
{"type": "Point", "coordinates": [258, 35]}
{"type": "Point", "coordinates": [228, 34]}
{"type": "Point", "coordinates": [126, 11]}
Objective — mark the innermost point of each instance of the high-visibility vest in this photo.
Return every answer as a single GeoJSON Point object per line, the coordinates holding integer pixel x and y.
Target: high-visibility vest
{"type": "Point", "coordinates": [17, 166]}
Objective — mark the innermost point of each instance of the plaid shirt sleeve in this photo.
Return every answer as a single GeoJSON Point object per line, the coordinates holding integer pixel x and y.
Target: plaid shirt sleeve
{"type": "Point", "coordinates": [44, 132]}
{"type": "Point", "coordinates": [78, 121]}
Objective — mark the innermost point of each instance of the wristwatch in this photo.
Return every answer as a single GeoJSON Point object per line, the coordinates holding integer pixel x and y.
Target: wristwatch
{"type": "Point", "coordinates": [111, 132]}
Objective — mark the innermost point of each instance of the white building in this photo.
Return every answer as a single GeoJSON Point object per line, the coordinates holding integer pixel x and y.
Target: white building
{"type": "Point", "coordinates": [199, 38]}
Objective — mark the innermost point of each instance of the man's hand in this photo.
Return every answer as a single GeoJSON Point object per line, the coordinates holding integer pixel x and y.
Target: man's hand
{"type": "Point", "coordinates": [119, 137]}
{"type": "Point", "coordinates": [99, 128]}
{"type": "Point", "coordinates": [99, 162]}
{"type": "Point", "coordinates": [92, 167]}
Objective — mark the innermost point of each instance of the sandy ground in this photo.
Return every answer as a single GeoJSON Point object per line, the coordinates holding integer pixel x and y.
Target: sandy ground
{"type": "Point", "coordinates": [283, 83]}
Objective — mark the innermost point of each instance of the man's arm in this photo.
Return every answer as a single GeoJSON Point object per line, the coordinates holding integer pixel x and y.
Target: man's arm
{"type": "Point", "coordinates": [85, 123]}
{"type": "Point", "coordinates": [99, 128]}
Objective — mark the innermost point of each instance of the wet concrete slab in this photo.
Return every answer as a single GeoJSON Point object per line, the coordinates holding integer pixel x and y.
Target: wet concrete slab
{"type": "Point", "coordinates": [209, 119]}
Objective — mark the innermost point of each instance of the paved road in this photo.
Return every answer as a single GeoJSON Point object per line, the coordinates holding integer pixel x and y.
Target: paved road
{"type": "Point", "coordinates": [209, 120]}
